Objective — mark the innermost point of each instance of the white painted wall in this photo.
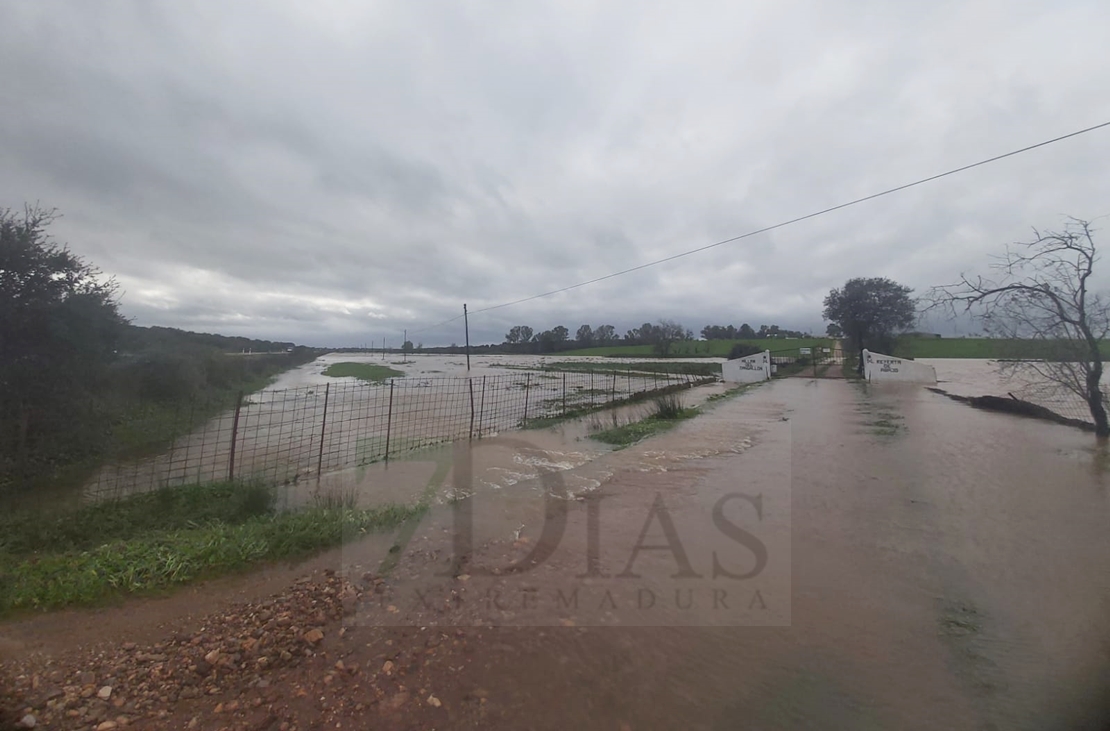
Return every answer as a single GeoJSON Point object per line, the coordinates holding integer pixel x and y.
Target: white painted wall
{"type": "Point", "coordinates": [749, 369]}
{"type": "Point", "coordinates": [881, 368]}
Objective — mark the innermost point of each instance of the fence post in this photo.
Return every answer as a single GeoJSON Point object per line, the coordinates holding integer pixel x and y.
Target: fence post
{"type": "Point", "coordinates": [389, 420]}
{"type": "Point", "coordinates": [613, 397]}
{"type": "Point", "coordinates": [323, 426]}
{"type": "Point", "coordinates": [470, 385]}
{"type": "Point", "coordinates": [482, 407]}
{"type": "Point", "coordinates": [564, 394]}
{"type": "Point", "coordinates": [591, 388]}
{"type": "Point", "coordinates": [234, 434]}
{"type": "Point", "coordinates": [527, 388]}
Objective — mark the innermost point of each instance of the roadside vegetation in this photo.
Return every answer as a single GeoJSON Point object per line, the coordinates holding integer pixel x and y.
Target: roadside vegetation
{"type": "Point", "coordinates": [154, 541]}
{"type": "Point", "coordinates": [668, 411]}
{"type": "Point", "coordinates": [362, 371]}
{"type": "Point", "coordinates": [81, 385]}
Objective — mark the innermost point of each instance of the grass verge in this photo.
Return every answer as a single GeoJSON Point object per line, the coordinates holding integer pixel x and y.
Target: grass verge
{"type": "Point", "coordinates": [362, 371]}
{"type": "Point", "coordinates": [153, 542]}
{"type": "Point", "coordinates": [669, 411]}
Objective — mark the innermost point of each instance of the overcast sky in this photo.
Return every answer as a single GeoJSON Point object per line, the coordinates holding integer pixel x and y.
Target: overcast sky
{"type": "Point", "coordinates": [332, 172]}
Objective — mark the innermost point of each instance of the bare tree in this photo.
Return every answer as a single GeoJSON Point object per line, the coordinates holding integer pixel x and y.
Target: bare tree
{"type": "Point", "coordinates": [1041, 291]}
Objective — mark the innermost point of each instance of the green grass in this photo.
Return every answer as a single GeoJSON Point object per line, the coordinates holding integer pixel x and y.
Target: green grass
{"type": "Point", "coordinates": [156, 541]}
{"type": "Point", "coordinates": [701, 348]}
{"type": "Point", "coordinates": [918, 347]}
{"type": "Point", "coordinates": [668, 413]}
{"type": "Point", "coordinates": [362, 371]}
{"type": "Point", "coordinates": [696, 369]}
{"type": "Point", "coordinates": [165, 509]}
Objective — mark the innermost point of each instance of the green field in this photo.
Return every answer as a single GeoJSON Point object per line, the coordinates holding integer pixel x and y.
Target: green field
{"type": "Point", "coordinates": [701, 348]}
{"type": "Point", "coordinates": [362, 371]}
{"type": "Point", "coordinates": [976, 348]}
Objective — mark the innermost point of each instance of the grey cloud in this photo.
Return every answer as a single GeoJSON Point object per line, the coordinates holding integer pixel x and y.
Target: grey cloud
{"type": "Point", "coordinates": [334, 174]}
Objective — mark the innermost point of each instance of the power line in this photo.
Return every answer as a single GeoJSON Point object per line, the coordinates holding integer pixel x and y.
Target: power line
{"type": "Point", "coordinates": [756, 232]}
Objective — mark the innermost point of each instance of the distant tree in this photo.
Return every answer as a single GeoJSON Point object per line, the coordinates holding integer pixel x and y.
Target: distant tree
{"type": "Point", "coordinates": [585, 335]}
{"type": "Point", "coordinates": [746, 332]}
{"type": "Point", "coordinates": [1044, 291]}
{"type": "Point", "coordinates": [519, 334]}
{"type": "Point", "coordinates": [834, 331]}
{"type": "Point", "coordinates": [665, 334]}
{"type": "Point", "coordinates": [549, 340]}
{"type": "Point", "coordinates": [406, 347]}
{"type": "Point", "coordinates": [605, 334]}
{"type": "Point", "coordinates": [870, 311]}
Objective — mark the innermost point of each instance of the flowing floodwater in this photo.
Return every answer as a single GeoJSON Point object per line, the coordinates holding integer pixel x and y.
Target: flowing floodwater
{"type": "Point", "coordinates": [980, 377]}
{"type": "Point", "coordinates": [929, 566]}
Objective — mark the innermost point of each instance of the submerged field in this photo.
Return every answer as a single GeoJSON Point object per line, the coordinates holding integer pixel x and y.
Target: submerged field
{"type": "Point", "coordinates": [701, 348]}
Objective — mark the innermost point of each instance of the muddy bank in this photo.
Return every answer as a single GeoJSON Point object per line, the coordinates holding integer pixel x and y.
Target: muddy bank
{"type": "Point", "coordinates": [1018, 407]}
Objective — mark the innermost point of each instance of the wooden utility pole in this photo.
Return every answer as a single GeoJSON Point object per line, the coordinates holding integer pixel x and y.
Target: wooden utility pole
{"type": "Point", "coordinates": [466, 325]}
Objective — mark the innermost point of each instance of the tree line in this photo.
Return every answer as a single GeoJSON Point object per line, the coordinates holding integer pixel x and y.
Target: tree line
{"type": "Point", "coordinates": [661, 336]}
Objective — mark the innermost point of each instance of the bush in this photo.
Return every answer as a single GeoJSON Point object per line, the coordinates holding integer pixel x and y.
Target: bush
{"type": "Point", "coordinates": [669, 406]}
{"type": "Point", "coordinates": [742, 350]}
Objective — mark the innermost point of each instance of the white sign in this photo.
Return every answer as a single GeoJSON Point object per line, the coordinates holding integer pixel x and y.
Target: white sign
{"type": "Point", "coordinates": [826, 350]}
{"type": "Point", "coordinates": [804, 351]}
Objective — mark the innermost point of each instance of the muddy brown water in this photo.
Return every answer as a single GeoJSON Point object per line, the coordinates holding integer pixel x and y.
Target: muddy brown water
{"type": "Point", "coordinates": [928, 566]}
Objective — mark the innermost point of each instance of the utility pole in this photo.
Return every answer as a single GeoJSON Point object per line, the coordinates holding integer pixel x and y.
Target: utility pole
{"type": "Point", "coordinates": [404, 346]}
{"type": "Point", "coordinates": [466, 324]}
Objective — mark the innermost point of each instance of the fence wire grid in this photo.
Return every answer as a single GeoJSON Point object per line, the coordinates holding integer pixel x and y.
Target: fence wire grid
{"type": "Point", "coordinates": [282, 436]}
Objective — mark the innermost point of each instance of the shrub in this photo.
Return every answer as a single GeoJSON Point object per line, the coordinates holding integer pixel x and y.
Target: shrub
{"type": "Point", "coordinates": [742, 350]}
{"type": "Point", "coordinates": [669, 406]}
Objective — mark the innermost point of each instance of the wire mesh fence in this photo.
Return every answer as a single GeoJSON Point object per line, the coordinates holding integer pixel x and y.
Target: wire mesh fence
{"type": "Point", "coordinates": [282, 436]}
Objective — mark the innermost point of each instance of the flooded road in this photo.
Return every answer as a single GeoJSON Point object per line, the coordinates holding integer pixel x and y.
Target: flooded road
{"type": "Point", "coordinates": [812, 554]}
{"type": "Point", "coordinates": [928, 566]}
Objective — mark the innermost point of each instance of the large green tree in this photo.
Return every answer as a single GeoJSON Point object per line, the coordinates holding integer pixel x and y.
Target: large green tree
{"type": "Point", "coordinates": [59, 324]}
{"type": "Point", "coordinates": [869, 311]}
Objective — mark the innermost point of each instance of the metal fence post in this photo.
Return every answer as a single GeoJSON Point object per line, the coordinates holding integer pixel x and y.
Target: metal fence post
{"type": "Point", "coordinates": [470, 385]}
{"type": "Point", "coordinates": [323, 426]}
{"type": "Point", "coordinates": [234, 434]}
{"type": "Point", "coordinates": [564, 394]}
{"type": "Point", "coordinates": [482, 407]}
{"type": "Point", "coordinates": [389, 420]}
{"type": "Point", "coordinates": [527, 388]}
{"type": "Point", "coordinates": [613, 395]}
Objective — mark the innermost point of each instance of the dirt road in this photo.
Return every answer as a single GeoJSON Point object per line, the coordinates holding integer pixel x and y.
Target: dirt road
{"type": "Point", "coordinates": [817, 554]}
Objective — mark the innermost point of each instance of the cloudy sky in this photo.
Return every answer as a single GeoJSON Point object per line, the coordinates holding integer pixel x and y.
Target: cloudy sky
{"type": "Point", "coordinates": [332, 172]}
